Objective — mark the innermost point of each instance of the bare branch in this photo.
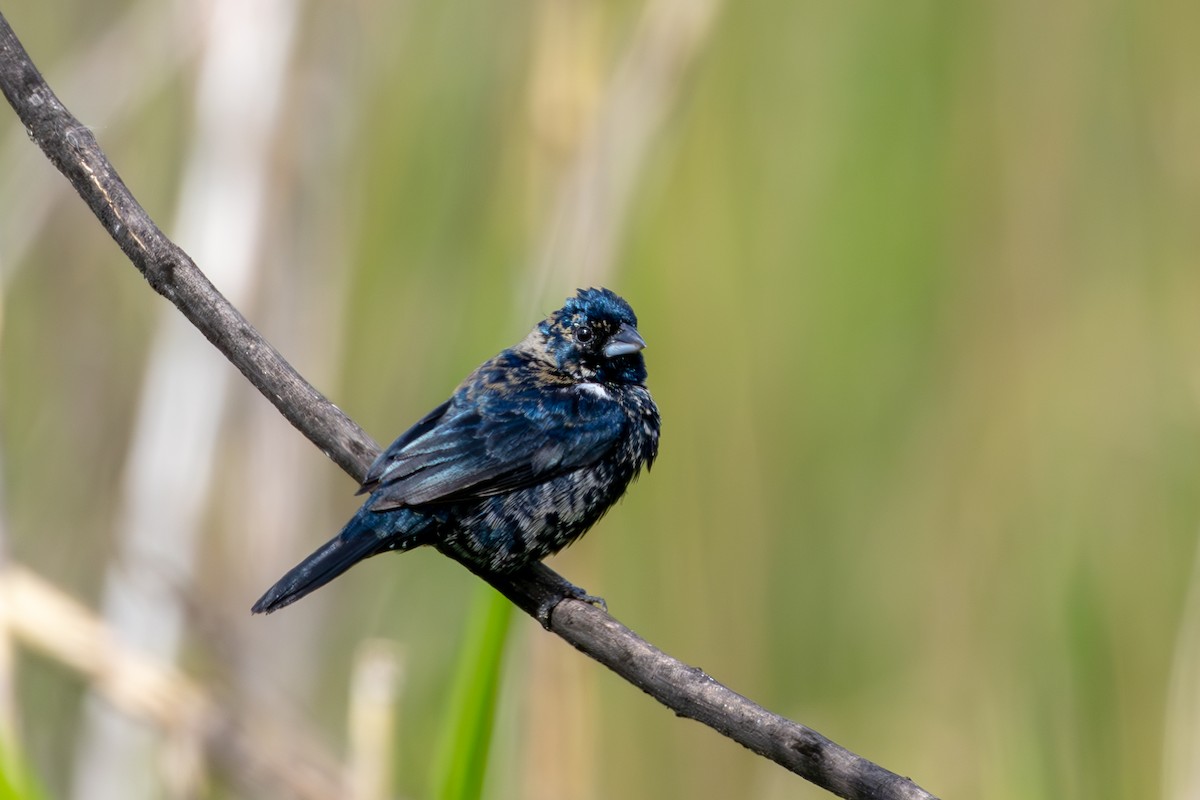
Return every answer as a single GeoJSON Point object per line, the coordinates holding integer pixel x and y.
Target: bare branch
{"type": "Point", "coordinates": [72, 148]}
{"type": "Point", "coordinates": [684, 689]}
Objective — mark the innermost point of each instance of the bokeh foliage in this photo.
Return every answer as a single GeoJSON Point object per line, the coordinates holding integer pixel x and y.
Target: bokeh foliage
{"type": "Point", "coordinates": [920, 286]}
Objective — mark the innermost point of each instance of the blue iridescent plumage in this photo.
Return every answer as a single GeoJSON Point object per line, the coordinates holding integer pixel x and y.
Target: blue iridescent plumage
{"type": "Point", "coordinates": [526, 455]}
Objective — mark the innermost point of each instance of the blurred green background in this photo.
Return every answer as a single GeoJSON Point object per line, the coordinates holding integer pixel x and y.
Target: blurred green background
{"type": "Point", "coordinates": [921, 291]}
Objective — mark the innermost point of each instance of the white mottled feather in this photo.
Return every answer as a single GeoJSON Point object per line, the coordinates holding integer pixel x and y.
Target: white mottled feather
{"type": "Point", "coordinates": [596, 390]}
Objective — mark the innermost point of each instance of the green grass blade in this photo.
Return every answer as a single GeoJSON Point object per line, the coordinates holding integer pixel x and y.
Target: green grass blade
{"type": "Point", "coordinates": [461, 762]}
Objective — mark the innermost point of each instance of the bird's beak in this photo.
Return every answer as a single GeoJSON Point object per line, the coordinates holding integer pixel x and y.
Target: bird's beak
{"type": "Point", "coordinates": [625, 341]}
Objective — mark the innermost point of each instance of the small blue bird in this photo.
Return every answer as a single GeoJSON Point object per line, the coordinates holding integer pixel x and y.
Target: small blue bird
{"type": "Point", "coordinates": [530, 451]}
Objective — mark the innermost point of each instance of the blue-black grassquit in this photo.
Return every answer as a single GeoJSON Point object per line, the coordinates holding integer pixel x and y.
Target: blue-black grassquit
{"type": "Point", "coordinates": [529, 452]}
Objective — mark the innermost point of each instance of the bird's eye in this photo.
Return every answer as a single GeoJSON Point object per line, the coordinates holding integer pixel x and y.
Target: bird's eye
{"type": "Point", "coordinates": [584, 334]}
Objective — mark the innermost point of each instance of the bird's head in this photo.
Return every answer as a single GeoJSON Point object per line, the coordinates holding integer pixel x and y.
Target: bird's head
{"type": "Point", "coordinates": [594, 337]}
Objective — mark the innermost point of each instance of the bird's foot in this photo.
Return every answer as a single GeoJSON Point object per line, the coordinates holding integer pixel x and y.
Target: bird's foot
{"type": "Point", "coordinates": [569, 592]}
{"type": "Point", "coordinates": [575, 593]}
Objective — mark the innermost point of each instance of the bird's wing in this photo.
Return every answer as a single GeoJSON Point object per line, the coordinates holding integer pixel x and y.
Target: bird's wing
{"type": "Point", "coordinates": [493, 444]}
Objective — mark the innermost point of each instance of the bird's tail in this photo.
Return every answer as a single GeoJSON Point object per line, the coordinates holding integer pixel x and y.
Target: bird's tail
{"type": "Point", "coordinates": [360, 539]}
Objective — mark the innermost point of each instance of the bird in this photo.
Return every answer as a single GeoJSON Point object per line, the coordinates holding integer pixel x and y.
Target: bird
{"type": "Point", "coordinates": [529, 452]}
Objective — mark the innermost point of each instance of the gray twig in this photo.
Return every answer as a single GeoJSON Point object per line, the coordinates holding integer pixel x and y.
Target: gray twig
{"type": "Point", "coordinates": [684, 689]}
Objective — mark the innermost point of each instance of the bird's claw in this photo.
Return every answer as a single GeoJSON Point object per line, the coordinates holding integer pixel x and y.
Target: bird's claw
{"type": "Point", "coordinates": [590, 599]}
{"type": "Point", "coordinates": [569, 592]}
